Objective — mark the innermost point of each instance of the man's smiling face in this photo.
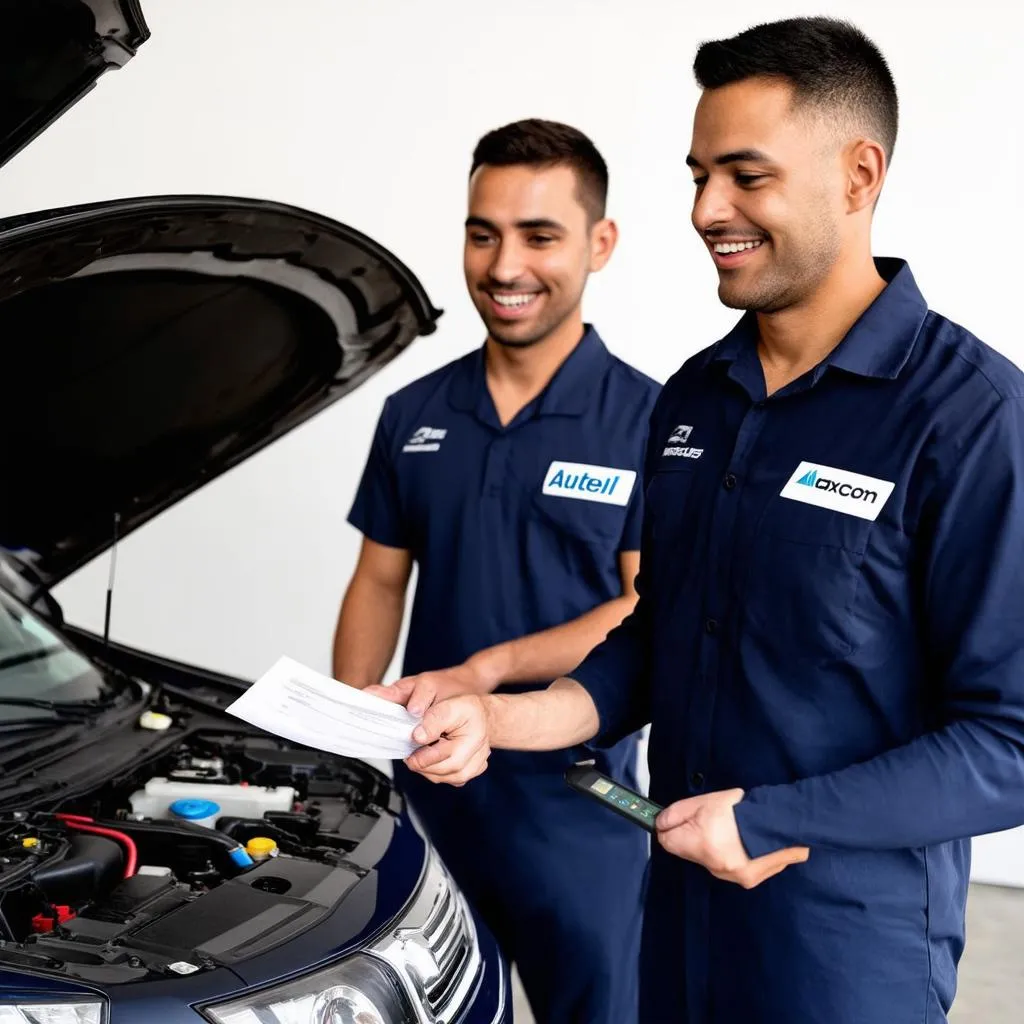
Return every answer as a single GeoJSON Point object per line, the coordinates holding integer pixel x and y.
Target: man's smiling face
{"type": "Point", "coordinates": [769, 193]}
{"type": "Point", "coordinates": [530, 247]}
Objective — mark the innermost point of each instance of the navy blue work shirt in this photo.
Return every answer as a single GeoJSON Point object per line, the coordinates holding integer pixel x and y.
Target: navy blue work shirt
{"type": "Point", "coordinates": [514, 529]}
{"type": "Point", "coordinates": [831, 618]}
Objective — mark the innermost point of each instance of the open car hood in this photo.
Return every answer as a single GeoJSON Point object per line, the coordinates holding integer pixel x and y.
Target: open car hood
{"type": "Point", "coordinates": [56, 50]}
{"type": "Point", "coordinates": [150, 344]}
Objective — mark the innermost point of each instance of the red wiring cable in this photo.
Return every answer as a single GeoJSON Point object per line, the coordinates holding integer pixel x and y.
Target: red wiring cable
{"type": "Point", "coordinates": [84, 824]}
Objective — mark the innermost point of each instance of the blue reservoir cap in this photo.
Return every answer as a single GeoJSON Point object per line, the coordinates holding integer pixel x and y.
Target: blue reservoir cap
{"type": "Point", "coordinates": [194, 810]}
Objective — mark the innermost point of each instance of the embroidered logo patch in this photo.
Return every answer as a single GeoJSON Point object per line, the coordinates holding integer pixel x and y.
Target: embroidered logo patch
{"type": "Point", "coordinates": [426, 439]}
{"type": "Point", "coordinates": [839, 490]}
{"type": "Point", "coordinates": [589, 483]}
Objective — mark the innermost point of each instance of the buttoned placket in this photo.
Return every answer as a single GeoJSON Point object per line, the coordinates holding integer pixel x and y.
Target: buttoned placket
{"type": "Point", "coordinates": [496, 484]}
{"type": "Point", "coordinates": [719, 626]}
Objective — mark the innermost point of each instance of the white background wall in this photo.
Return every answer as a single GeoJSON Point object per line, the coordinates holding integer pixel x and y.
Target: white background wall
{"type": "Point", "coordinates": [368, 113]}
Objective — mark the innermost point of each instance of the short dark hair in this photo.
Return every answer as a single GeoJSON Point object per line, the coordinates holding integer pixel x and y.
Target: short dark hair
{"type": "Point", "coordinates": [538, 143]}
{"type": "Point", "coordinates": [829, 62]}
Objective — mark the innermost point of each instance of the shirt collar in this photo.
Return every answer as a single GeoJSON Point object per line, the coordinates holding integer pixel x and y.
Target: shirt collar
{"type": "Point", "coordinates": [879, 343]}
{"type": "Point", "coordinates": [568, 393]}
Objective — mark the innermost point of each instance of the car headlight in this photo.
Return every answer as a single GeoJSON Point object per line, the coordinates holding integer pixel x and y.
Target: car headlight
{"type": "Point", "coordinates": [424, 969]}
{"type": "Point", "coordinates": [51, 1013]}
{"type": "Point", "coordinates": [357, 990]}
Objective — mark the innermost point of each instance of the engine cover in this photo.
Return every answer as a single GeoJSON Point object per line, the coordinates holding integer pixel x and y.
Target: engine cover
{"type": "Point", "coordinates": [149, 895]}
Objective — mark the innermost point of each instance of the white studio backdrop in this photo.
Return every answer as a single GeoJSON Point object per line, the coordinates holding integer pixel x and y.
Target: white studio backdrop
{"type": "Point", "coordinates": [368, 113]}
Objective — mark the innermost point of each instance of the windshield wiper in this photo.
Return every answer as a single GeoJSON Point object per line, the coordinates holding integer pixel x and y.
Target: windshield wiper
{"type": "Point", "coordinates": [79, 709]}
{"type": "Point", "coordinates": [37, 655]}
{"type": "Point", "coordinates": [43, 723]}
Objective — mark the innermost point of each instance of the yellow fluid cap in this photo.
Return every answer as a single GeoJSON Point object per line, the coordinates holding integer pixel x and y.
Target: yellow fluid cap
{"type": "Point", "coordinates": [29, 842]}
{"type": "Point", "coordinates": [260, 846]}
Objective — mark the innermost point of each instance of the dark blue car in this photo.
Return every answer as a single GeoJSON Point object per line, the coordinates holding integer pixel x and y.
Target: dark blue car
{"type": "Point", "coordinates": [160, 861]}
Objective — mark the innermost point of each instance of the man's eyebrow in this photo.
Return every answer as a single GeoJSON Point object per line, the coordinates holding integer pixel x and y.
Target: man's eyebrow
{"type": "Point", "coordinates": [540, 224]}
{"type": "Point", "coordinates": [754, 156]}
{"type": "Point", "coordinates": [534, 224]}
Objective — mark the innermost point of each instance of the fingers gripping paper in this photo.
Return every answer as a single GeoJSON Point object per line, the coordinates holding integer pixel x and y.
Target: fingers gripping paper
{"type": "Point", "coordinates": [302, 705]}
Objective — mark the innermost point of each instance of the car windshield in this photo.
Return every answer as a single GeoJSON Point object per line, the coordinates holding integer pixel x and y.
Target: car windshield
{"type": "Point", "coordinates": [38, 667]}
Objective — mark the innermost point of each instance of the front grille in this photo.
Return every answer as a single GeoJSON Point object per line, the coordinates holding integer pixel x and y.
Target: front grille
{"type": "Point", "coordinates": [448, 937]}
{"type": "Point", "coordinates": [434, 949]}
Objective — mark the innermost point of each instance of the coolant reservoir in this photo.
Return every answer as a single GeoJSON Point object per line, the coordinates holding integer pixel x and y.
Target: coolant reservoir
{"type": "Point", "coordinates": [232, 800]}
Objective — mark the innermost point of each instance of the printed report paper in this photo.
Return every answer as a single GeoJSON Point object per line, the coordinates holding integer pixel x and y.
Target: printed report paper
{"type": "Point", "coordinates": [304, 706]}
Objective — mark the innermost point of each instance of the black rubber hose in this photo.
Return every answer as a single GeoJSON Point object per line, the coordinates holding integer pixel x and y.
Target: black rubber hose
{"type": "Point", "coordinates": [179, 829]}
{"type": "Point", "coordinates": [31, 864]}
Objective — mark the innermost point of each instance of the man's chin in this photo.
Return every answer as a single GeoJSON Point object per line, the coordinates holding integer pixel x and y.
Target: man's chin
{"type": "Point", "coordinates": [524, 342]}
{"type": "Point", "coordinates": [732, 298]}
{"type": "Point", "coordinates": [747, 300]}
{"type": "Point", "coordinates": [515, 335]}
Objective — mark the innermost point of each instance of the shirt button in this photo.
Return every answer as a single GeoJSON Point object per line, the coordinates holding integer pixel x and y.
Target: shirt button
{"type": "Point", "coordinates": [729, 482]}
{"type": "Point", "coordinates": [697, 780]}
{"type": "Point", "coordinates": [710, 627]}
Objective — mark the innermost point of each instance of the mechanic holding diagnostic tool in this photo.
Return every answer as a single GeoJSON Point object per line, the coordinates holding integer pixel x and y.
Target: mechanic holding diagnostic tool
{"type": "Point", "coordinates": [511, 478]}
{"type": "Point", "coordinates": [829, 641]}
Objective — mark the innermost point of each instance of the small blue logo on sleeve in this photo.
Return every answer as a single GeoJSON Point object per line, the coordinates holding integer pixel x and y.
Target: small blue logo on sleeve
{"type": "Point", "coordinates": [603, 484]}
{"type": "Point", "coordinates": [808, 479]}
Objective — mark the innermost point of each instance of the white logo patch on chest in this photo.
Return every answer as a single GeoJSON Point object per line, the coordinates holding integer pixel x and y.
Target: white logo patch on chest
{"type": "Point", "coordinates": [603, 484]}
{"type": "Point", "coordinates": [838, 489]}
{"type": "Point", "coordinates": [426, 439]}
{"type": "Point", "coordinates": [678, 446]}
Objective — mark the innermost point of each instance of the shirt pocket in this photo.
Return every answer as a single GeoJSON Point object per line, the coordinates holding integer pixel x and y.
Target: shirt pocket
{"type": "Point", "coordinates": [805, 570]}
{"type": "Point", "coordinates": [669, 527]}
{"type": "Point", "coordinates": [666, 496]}
{"type": "Point", "coordinates": [577, 521]}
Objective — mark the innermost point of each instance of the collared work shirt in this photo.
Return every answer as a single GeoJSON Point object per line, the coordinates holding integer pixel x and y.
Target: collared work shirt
{"type": "Point", "coordinates": [832, 619]}
{"type": "Point", "coordinates": [514, 529]}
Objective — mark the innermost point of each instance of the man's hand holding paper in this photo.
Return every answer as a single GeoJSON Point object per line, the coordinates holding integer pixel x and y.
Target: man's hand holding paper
{"type": "Point", "coordinates": [302, 705]}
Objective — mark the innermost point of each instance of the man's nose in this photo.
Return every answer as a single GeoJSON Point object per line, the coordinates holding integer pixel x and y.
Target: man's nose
{"type": "Point", "coordinates": [509, 264]}
{"type": "Point", "coordinates": [712, 206]}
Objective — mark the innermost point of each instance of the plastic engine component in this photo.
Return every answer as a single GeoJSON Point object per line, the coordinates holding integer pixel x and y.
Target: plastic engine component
{"type": "Point", "coordinates": [232, 800]}
{"type": "Point", "coordinates": [93, 864]}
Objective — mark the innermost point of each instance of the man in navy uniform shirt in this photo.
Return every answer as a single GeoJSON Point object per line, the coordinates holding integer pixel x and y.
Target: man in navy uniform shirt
{"type": "Point", "coordinates": [829, 642]}
{"type": "Point", "coordinates": [511, 478]}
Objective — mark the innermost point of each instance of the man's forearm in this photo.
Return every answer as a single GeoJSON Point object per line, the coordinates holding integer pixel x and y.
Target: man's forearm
{"type": "Point", "coordinates": [551, 653]}
{"type": "Point", "coordinates": [963, 780]}
{"type": "Point", "coordinates": [561, 716]}
{"type": "Point", "coordinates": [367, 632]}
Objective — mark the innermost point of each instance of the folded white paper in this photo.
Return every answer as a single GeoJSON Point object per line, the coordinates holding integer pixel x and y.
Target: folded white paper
{"type": "Point", "coordinates": [302, 705]}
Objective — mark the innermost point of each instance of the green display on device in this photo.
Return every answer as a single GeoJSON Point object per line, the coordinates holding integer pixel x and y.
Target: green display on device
{"type": "Point", "coordinates": [606, 791]}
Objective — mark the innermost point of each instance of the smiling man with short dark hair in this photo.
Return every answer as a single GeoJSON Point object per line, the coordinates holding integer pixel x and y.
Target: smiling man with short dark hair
{"type": "Point", "coordinates": [828, 640]}
{"type": "Point", "coordinates": [511, 478]}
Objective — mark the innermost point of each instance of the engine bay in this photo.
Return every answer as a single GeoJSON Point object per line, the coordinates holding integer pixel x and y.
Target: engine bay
{"type": "Point", "coordinates": [212, 853]}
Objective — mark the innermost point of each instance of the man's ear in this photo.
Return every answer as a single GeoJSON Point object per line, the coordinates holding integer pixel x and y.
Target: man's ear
{"type": "Point", "coordinates": [603, 237]}
{"type": "Point", "coordinates": [866, 169]}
